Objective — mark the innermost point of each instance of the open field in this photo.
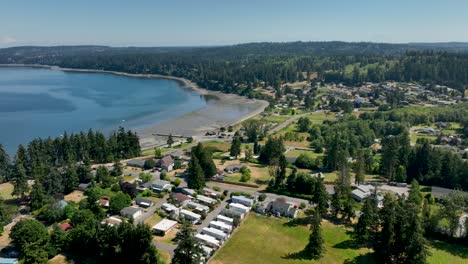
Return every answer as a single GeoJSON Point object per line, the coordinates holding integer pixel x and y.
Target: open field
{"type": "Point", "coordinates": [296, 152]}
{"type": "Point", "coordinates": [154, 219]}
{"type": "Point", "coordinates": [259, 173]}
{"type": "Point", "coordinates": [75, 196]}
{"type": "Point", "coordinates": [262, 239]}
{"type": "Point", "coordinates": [447, 253]}
{"type": "Point", "coordinates": [219, 145]}
{"type": "Point", "coordinates": [5, 191]}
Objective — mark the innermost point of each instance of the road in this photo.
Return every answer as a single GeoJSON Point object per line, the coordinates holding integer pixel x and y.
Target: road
{"type": "Point", "coordinates": [286, 123]}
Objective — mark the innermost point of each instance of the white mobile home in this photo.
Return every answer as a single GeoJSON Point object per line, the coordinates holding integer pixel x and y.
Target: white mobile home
{"type": "Point", "coordinates": [208, 240]}
{"type": "Point", "coordinates": [225, 219]}
{"type": "Point", "coordinates": [190, 216]}
{"type": "Point", "coordinates": [216, 233]}
{"type": "Point", "coordinates": [240, 199]}
{"type": "Point", "coordinates": [221, 226]}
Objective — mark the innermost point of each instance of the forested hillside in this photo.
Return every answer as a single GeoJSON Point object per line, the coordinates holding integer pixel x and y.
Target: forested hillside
{"type": "Point", "coordinates": [240, 68]}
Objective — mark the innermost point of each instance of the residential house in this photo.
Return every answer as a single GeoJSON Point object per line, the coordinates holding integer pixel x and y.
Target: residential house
{"type": "Point", "coordinates": [233, 168]}
{"type": "Point", "coordinates": [143, 202]}
{"type": "Point", "coordinates": [112, 221]}
{"type": "Point", "coordinates": [240, 199]}
{"type": "Point", "coordinates": [207, 251]}
{"type": "Point", "coordinates": [164, 226]}
{"type": "Point", "coordinates": [131, 212]}
{"type": "Point", "coordinates": [169, 208]}
{"type": "Point", "coordinates": [166, 163]}
{"type": "Point", "coordinates": [136, 163]}
{"type": "Point", "coordinates": [161, 186]}
{"type": "Point", "coordinates": [206, 200]}
{"type": "Point", "coordinates": [230, 212]}
{"type": "Point", "coordinates": [84, 186]}
{"type": "Point", "coordinates": [67, 227]}
{"type": "Point", "coordinates": [225, 219]}
{"type": "Point", "coordinates": [239, 207]}
{"type": "Point", "coordinates": [216, 233]}
{"type": "Point", "coordinates": [208, 240]}
{"type": "Point", "coordinates": [221, 226]}
{"type": "Point", "coordinates": [283, 208]}
{"type": "Point", "coordinates": [362, 191]}
{"type": "Point", "coordinates": [211, 193]}
{"type": "Point", "coordinates": [188, 191]}
{"type": "Point", "coordinates": [190, 216]}
{"type": "Point", "coordinates": [104, 202]}
{"type": "Point", "coordinates": [197, 207]}
{"type": "Point", "coordinates": [180, 198]}
{"type": "Point", "coordinates": [144, 186]}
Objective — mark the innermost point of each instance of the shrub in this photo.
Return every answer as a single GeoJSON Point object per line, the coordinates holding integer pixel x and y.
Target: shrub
{"type": "Point", "coordinates": [302, 205]}
{"type": "Point", "coordinates": [149, 164]}
{"type": "Point", "coordinates": [177, 182]}
{"type": "Point", "coordinates": [216, 188]}
{"type": "Point", "coordinates": [262, 197]}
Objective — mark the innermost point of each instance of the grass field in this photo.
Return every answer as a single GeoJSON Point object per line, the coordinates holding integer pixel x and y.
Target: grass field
{"type": "Point", "coordinates": [222, 146]}
{"type": "Point", "coordinates": [259, 173]}
{"type": "Point", "coordinates": [296, 152]}
{"type": "Point", "coordinates": [261, 239]}
{"type": "Point", "coordinates": [447, 253]}
{"type": "Point", "coordinates": [5, 190]}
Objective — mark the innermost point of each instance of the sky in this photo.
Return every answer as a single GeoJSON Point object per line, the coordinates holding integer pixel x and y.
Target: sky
{"type": "Point", "coordinates": [222, 22]}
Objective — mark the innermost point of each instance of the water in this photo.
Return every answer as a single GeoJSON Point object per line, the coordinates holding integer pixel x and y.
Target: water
{"type": "Point", "coordinates": [38, 102]}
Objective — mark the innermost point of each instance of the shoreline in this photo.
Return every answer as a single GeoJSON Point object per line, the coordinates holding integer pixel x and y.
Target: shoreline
{"type": "Point", "coordinates": [195, 123]}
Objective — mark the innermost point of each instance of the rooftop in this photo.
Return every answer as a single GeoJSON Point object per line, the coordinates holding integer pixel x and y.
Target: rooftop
{"type": "Point", "coordinates": [164, 225]}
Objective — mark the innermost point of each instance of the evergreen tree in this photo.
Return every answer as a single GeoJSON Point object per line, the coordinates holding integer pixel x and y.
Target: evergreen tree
{"type": "Point", "coordinates": [117, 169]}
{"type": "Point", "coordinates": [19, 179]}
{"type": "Point", "coordinates": [415, 195]}
{"type": "Point", "coordinates": [320, 197]}
{"type": "Point", "coordinates": [188, 249]}
{"type": "Point", "coordinates": [368, 224]}
{"type": "Point", "coordinates": [170, 140]}
{"type": "Point", "coordinates": [4, 164]}
{"type": "Point", "coordinates": [342, 201]}
{"type": "Point", "coordinates": [315, 248]}
{"type": "Point", "coordinates": [196, 178]}
{"type": "Point", "coordinates": [71, 179]}
{"type": "Point", "coordinates": [359, 168]}
{"type": "Point", "coordinates": [235, 147]}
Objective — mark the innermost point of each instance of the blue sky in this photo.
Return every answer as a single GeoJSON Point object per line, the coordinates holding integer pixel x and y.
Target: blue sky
{"type": "Point", "coordinates": [219, 22]}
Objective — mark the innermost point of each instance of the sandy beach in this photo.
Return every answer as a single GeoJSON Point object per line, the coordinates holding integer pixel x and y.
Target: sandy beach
{"type": "Point", "coordinates": [221, 109]}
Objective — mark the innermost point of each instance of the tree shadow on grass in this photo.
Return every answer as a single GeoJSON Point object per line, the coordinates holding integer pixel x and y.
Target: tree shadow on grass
{"type": "Point", "coordinates": [453, 249]}
{"type": "Point", "coordinates": [303, 221]}
{"type": "Point", "coordinates": [362, 259]}
{"type": "Point", "coordinates": [348, 244]}
{"type": "Point", "coordinates": [297, 256]}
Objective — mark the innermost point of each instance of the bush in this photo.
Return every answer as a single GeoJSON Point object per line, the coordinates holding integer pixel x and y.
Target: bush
{"type": "Point", "coordinates": [149, 164]}
{"type": "Point", "coordinates": [177, 182]}
{"type": "Point", "coordinates": [163, 175]}
{"type": "Point", "coordinates": [262, 197]}
{"type": "Point", "coordinates": [216, 188]}
{"type": "Point", "coordinates": [305, 161]}
{"type": "Point", "coordinates": [245, 177]}
{"type": "Point", "coordinates": [177, 164]}
{"type": "Point", "coordinates": [302, 205]}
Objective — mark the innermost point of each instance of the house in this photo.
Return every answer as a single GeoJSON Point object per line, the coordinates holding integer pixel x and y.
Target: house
{"type": "Point", "coordinates": [208, 240]}
{"type": "Point", "coordinates": [188, 191]}
{"type": "Point", "coordinates": [190, 216]}
{"type": "Point", "coordinates": [230, 212]}
{"type": "Point", "coordinates": [161, 186]}
{"type": "Point", "coordinates": [143, 202]}
{"type": "Point", "coordinates": [239, 207]}
{"type": "Point", "coordinates": [221, 226]}
{"type": "Point", "coordinates": [166, 163]}
{"type": "Point", "coordinates": [439, 192]}
{"type": "Point", "coordinates": [359, 195]}
{"type": "Point", "coordinates": [164, 226]}
{"type": "Point", "coordinates": [233, 168]}
{"type": "Point", "coordinates": [428, 131]}
{"type": "Point", "coordinates": [104, 202]}
{"type": "Point", "coordinates": [112, 221]}
{"type": "Point", "coordinates": [136, 163]}
{"type": "Point", "coordinates": [211, 193]}
{"type": "Point", "coordinates": [216, 233]}
{"type": "Point", "coordinates": [84, 186]}
{"type": "Point", "coordinates": [283, 208]}
{"type": "Point", "coordinates": [131, 212]}
{"type": "Point", "coordinates": [197, 207]}
{"type": "Point", "coordinates": [206, 200]}
{"type": "Point", "coordinates": [240, 199]}
{"type": "Point", "coordinates": [67, 227]}
{"type": "Point", "coordinates": [144, 186]}
{"type": "Point", "coordinates": [225, 219]}
{"type": "Point", "coordinates": [180, 198]}
{"type": "Point", "coordinates": [8, 261]}
{"type": "Point", "coordinates": [170, 208]}
{"type": "Point", "coordinates": [207, 251]}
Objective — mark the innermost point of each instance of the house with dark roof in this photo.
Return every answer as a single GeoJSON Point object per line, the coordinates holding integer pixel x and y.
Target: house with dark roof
{"type": "Point", "coordinates": [137, 163]}
{"type": "Point", "coordinates": [104, 202]}
{"type": "Point", "coordinates": [439, 192]}
{"type": "Point", "coordinates": [180, 198]}
{"type": "Point", "coordinates": [143, 202]}
{"type": "Point", "coordinates": [166, 163]}
{"type": "Point", "coordinates": [233, 168]}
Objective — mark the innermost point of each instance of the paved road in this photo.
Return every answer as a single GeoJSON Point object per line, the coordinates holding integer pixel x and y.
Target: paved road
{"type": "Point", "coordinates": [286, 123]}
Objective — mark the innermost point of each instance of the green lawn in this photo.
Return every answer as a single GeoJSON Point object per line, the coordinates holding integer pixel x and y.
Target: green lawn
{"type": "Point", "coordinates": [296, 152]}
{"type": "Point", "coordinates": [447, 253]}
{"type": "Point", "coordinates": [261, 239]}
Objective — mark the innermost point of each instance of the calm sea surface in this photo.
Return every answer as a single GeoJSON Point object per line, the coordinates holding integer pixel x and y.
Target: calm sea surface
{"type": "Point", "coordinates": [38, 102]}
